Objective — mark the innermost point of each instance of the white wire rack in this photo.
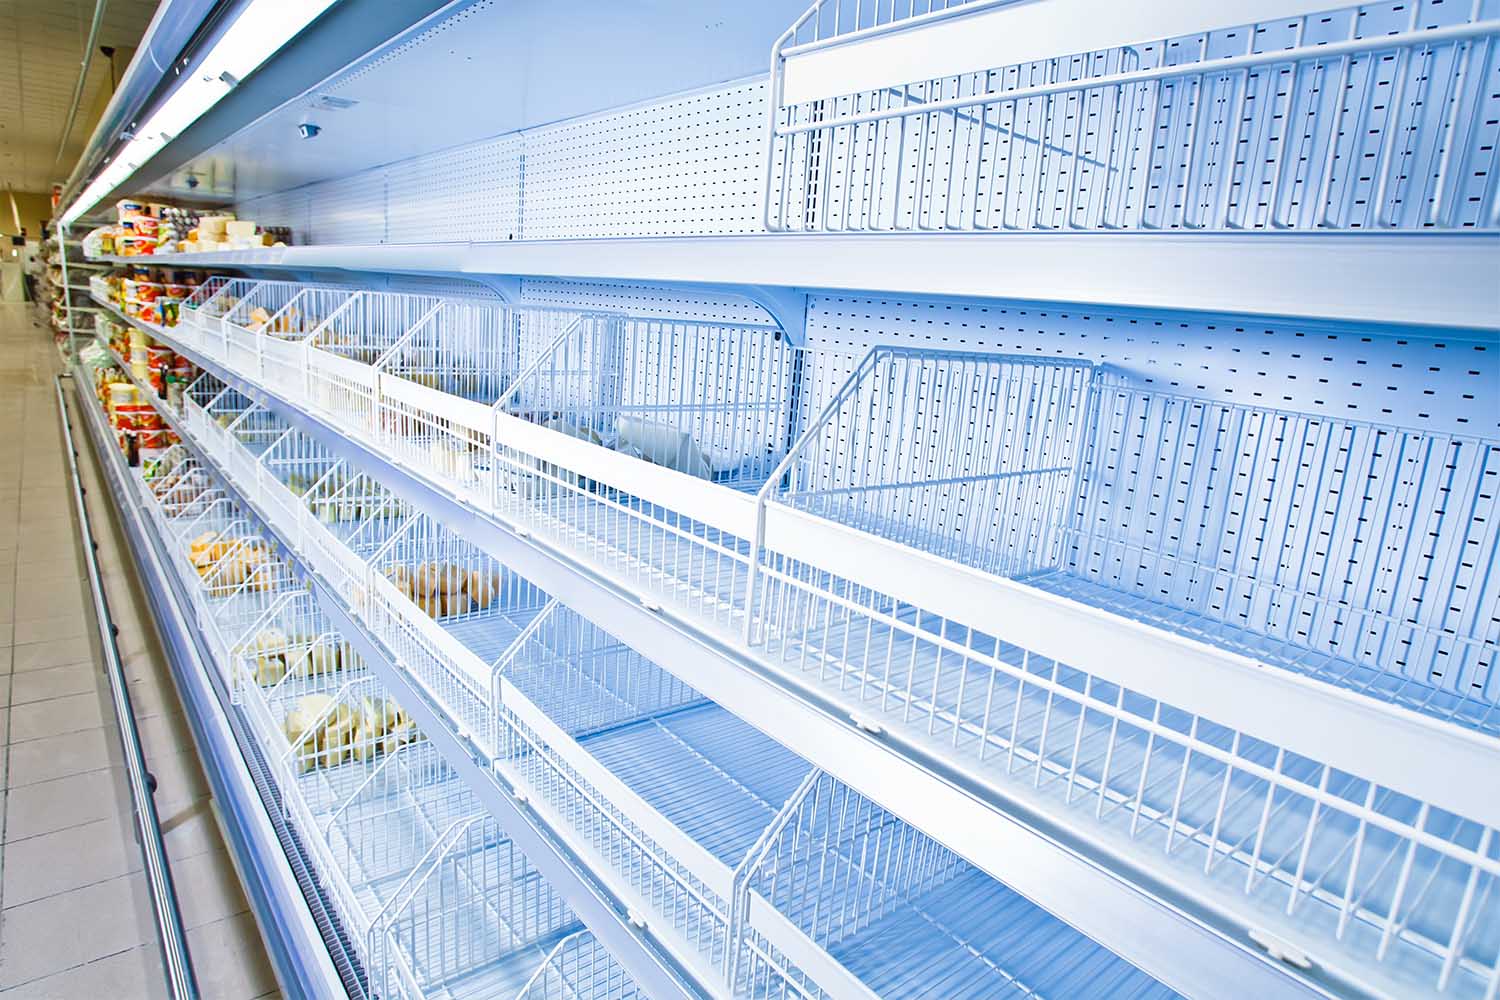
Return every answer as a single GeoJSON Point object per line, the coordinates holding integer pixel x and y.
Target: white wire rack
{"type": "Point", "coordinates": [248, 439]}
{"type": "Point", "coordinates": [348, 518]}
{"type": "Point", "coordinates": [281, 340]}
{"type": "Point", "coordinates": [266, 306]}
{"type": "Point", "coordinates": [240, 577]}
{"type": "Point", "coordinates": [430, 589]}
{"type": "Point", "coordinates": [564, 680]}
{"type": "Point", "coordinates": [897, 915]}
{"type": "Point", "coordinates": [219, 413]}
{"type": "Point", "coordinates": [579, 965]}
{"type": "Point", "coordinates": [614, 446]}
{"type": "Point", "coordinates": [204, 309]}
{"type": "Point", "coordinates": [438, 386]}
{"type": "Point", "coordinates": [983, 117]}
{"type": "Point", "coordinates": [436, 899]}
{"type": "Point", "coordinates": [706, 399]}
{"type": "Point", "coordinates": [180, 487]}
{"type": "Point", "coordinates": [200, 393]}
{"type": "Point", "coordinates": [973, 457]}
{"type": "Point", "coordinates": [1349, 551]}
{"type": "Point", "coordinates": [440, 902]}
{"type": "Point", "coordinates": [828, 19]}
{"type": "Point", "coordinates": [342, 352]}
{"type": "Point", "coordinates": [678, 798]}
{"type": "Point", "coordinates": [474, 909]}
{"type": "Point", "coordinates": [306, 695]}
{"type": "Point", "coordinates": [1389, 874]}
{"type": "Point", "coordinates": [292, 474]}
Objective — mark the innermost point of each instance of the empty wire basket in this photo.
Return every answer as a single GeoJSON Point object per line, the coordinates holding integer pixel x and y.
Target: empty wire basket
{"type": "Point", "coordinates": [1217, 539]}
{"type": "Point", "coordinates": [342, 352]}
{"type": "Point", "coordinates": [997, 116]}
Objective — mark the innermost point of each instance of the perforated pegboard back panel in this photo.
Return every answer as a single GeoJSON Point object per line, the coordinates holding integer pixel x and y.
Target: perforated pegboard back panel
{"type": "Point", "coordinates": [472, 193]}
{"type": "Point", "coordinates": [1443, 385]}
{"type": "Point", "coordinates": [1367, 542]}
{"type": "Point", "coordinates": [1329, 487]}
{"type": "Point", "coordinates": [349, 211]}
{"type": "Point", "coordinates": [642, 300]}
{"type": "Point", "coordinates": [687, 166]}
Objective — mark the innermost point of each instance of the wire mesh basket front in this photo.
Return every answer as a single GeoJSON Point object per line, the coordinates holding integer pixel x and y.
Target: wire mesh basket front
{"type": "Point", "coordinates": [262, 308]}
{"type": "Point", "coordinates": [343, 351]}
{"type": "Point", "coordinates": [447, 609]}
{"type": "Point", "coordinates": [439, 383]}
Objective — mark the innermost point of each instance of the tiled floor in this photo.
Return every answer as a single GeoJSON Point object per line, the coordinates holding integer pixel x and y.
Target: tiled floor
{"type": "Point", "coordinates": [75, 917]}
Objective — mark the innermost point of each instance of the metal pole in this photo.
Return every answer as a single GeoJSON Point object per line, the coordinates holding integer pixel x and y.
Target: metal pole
{"type": "Point", "coordinates": [176, 962]}
{"type": "Point", "coordinates": [65, 291]}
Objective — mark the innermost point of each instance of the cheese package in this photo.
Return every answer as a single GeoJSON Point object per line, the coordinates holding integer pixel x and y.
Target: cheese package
{"type": "Point", "coordinates": [240, 229]}
{"type": "Point", "coordinates": [269, 649]}
{"type": "Point", "coordinates": [303, 726]}
{"type": "Point", "coordinates": [212, 227]}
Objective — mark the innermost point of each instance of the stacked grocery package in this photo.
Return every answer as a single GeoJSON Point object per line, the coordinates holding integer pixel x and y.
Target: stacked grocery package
{"type": "Point", "coordinates": [127, 363]}
{"type": "Point", "coordinates": [146, 228]}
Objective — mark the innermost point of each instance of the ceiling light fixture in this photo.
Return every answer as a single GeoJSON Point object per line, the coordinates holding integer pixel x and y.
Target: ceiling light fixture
{"type": "Point", "coordinates": [262, 28]}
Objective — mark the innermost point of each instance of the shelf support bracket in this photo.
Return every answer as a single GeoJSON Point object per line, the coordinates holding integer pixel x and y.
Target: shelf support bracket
{"type": "Point", "coordinates": [507, 286]}
{"type": "Point", "coordinates": [787, 306]}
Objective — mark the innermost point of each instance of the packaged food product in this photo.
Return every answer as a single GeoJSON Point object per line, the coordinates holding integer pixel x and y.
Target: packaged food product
{"type": "Point", "coordinates": [122, 394]}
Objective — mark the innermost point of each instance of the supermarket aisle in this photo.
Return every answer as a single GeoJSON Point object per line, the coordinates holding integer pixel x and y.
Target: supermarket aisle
{"type": "Point", "coordinates": [75, 917]}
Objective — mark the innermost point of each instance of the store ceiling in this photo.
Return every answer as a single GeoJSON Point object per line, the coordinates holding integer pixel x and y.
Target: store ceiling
{"type": "Point", "coordinates": [41, 47]}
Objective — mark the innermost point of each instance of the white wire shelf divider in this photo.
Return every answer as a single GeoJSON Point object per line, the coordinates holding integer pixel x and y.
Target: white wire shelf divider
{"type": "Point", "coordinates": [263, 308]}
{"type": "Point", "coordinates": [207, 312]}
{"type": "Point", "coordinates": [249, 437]}
{"type": "Point", "coordinates": [439, 384]}
{"type": "Point", "coordinates": [989, 116]}
{"type": "Point", "coordinates": [205, 305]}
{"type": "Point", "coordinates": [219, 414]}
{"type": "Point", "coordinates": [196, 400]}
{"type": "Point", "coordinates": [1261, 777]}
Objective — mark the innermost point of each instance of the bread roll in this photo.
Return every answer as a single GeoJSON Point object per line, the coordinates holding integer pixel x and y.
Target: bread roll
{"type": "Point", "coordinates": [483, 588]}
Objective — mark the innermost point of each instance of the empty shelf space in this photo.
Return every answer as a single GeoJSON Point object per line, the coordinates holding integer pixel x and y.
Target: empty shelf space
{"type": "Point", "coordinates": [923, 511]}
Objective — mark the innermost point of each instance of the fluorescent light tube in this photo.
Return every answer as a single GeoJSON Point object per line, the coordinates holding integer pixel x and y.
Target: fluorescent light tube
{"type": "Point", "coordinates": [262, 28]}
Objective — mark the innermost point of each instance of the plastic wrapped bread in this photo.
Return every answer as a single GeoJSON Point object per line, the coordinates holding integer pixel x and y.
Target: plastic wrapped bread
{"type": "Point", "coordinates": [663, 444]}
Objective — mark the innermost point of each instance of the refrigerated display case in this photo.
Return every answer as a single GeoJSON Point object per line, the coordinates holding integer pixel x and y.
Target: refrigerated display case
{"type": "Point", "coordinates": [1003, 503]}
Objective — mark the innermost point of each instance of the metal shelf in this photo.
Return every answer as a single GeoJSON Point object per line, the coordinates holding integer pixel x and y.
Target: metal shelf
{"type": "Point", "coordinates": [1417, 279]}
{"type": "Point", "coordinates": [984, 820]}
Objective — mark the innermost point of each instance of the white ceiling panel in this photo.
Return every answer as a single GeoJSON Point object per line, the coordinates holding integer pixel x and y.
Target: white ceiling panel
{"type": "Point", "coordinates": [41, 47]}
